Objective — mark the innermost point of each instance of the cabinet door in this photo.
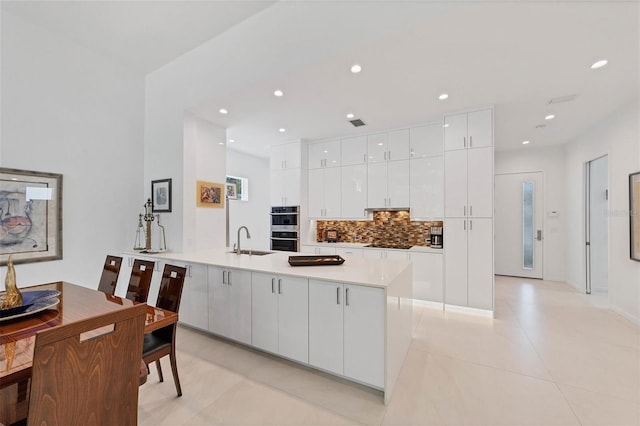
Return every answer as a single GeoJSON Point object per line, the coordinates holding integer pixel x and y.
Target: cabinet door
{"type": "Point", "coordinates": [218, 301]}
{"type": "Point", "coordinates": [332, 154]}
{"type": "Point", "coordinates": [398, 145]}
{"type": "Point", "coordinates": [455, 262]}
{"type": "Point", "coordinates": [316, 155]}
{"type": "Point", "coordinates": [455, 183]}
{"type": "Point", "coordinates": [355, 252]}
{"type": "Point", "coordinates": [455, 132]}
{"type": "Point", "coordinates": [293, 318]}
{"type": "Point", "coordinates": [427, 276]}
{"type": "Point", "coordinates": [480, 263]}
{"type": "Point", "coordinates": [364, 334]}
{"type": "Point", "coordinates": [427, 187]}
{"type": "Point", "coordinates": [308, 249]}
{"type": "Point", "coordinates": [332, 196]}
{"type": "Point", "coordinates": [292, 153]}
{"type": "Point", "coordinates": [316, 193]}
{"type": "Point", "coordinates": [479, 129]}
{"type": "Point", "coordinates": [276, 157]}
{"type": "Point", "coordinates": [371, 253]}
{"type": "Point", "coordinates": [398, 183]}
{"type": "Point", "coordinates": [377, 148]}
{"type": "Point", "coordinates": [196, 287]}
{"type": "Point", "coordinates": [276, 190]}
{"type": "Point", "coordinates": [480, 182]}
{"type": "Point", "coordinates": [427, 141]}
{"type": "Point", "coordinates": [291, 187]}
{"type": "Point", "coordinates": [326, 325]}
{"type": "Point", "coordinates": [354, 151]}
{"type": "Point", "coordinates": [377, 185]}
{"type": "Point", "coordinates": [396, 254]}
{"type": "Point", "coordinates": [325, 250]}
{"type": "Point", "coordinates": [264, 312]}
{"type": "Point", "coordinates": [239, 305]}
{"type": "Point", "coordinates": [354, 192]}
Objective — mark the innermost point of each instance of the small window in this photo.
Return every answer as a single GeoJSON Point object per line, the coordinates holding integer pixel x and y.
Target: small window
{"type": "Point", "coordinates": [527, 225]}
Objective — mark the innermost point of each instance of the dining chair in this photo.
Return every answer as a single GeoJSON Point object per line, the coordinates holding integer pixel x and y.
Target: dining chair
{"type": "Point", "coordinates": [110, 272]}
{"type": "Point", "coordinates": [162, 342]}
{"type": "Point", "coordinates": [140, 280]}
{"type": "Point", "coordinates": [87, 372]}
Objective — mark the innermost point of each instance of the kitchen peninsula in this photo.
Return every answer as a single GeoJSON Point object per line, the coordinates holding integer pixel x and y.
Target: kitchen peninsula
{"type": "Point", "coordinates": [352, 320]}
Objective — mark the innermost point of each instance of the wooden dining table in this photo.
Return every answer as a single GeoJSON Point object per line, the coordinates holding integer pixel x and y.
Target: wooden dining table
{"type": "Point", "coordinates": [17, 337]}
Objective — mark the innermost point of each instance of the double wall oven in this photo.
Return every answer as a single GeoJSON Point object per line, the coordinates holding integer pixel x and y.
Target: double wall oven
{"type": "Point", "coordinates": [285, 228]}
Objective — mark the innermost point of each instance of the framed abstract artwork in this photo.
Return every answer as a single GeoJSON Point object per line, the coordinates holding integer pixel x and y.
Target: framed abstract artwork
{"type": "Point", "coordinates": [30, 216]}
{"type": "Point", "coordinates": [634, 216]}
{"type": "Point", "coordinates": [210, 194]}
{"type": "Point", "coordinates": [161, 196]}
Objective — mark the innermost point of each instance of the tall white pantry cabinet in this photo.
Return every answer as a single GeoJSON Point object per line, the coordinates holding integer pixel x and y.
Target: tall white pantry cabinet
{"type": "Point", "coordinates": [468, 208]}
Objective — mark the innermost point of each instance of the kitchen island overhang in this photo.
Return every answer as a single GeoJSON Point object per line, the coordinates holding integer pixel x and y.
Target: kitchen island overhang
{"type": "Point", "coordinates": [369, 302]}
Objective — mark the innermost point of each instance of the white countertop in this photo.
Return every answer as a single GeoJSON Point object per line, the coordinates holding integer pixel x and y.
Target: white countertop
{"type": "Point", "coordinates": [421, 249]}
{"type": "Point", "coordinates": [369, 272]}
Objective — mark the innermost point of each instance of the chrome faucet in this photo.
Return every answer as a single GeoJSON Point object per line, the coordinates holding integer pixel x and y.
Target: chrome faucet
{"type": "Point", "coordinates": [238, 251]}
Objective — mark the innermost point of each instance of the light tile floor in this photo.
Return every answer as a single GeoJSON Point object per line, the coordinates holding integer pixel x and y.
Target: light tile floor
{"type": "Point", "coordinates": [552, 356]}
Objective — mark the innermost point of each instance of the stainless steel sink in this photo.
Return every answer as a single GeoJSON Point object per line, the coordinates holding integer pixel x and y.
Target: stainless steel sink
{"type": "Point", "coordinates": [253, 252]}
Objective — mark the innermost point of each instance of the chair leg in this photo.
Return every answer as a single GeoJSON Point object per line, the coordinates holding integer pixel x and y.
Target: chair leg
{"type": "Point", "coordinates": [159, 368]}
{"type": "Point", "coordinates": [174, 369]}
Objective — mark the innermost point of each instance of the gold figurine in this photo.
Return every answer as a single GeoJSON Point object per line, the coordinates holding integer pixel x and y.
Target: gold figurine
{"type": "Point", "coordinates": [12, 298]}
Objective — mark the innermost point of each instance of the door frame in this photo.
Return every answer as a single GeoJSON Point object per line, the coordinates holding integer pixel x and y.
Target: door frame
{"type": "Point", "coordinates": [544, 210]}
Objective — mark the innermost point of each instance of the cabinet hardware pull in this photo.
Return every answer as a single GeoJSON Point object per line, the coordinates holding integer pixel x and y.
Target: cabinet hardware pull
{"type": "Point", "coordinates": [539, 235]}
{"type": "Point", "coordinates": [464, 225]}
{"type": "Point", "coordinates": [465, 210]}
{"type": "Point", "coordinates": [337, 295]}
{"type": "Point", "coordinates": [365, 158]}
{"type": "Point", "coordinates": [470, 225]}
{"type": "Point", "coordinates": [224, 277]}
{"type": "Point", "coordinates": [389, 201]}
{"type": "Point", "coordinates": [273, 285]}
{"type": "Point", "coordinates": [189, 271]}
{"type": "Point", "coordinates": [389, 155]}
{"type": "Point", "coordinates": [346, 297]}
{"type": "Point", "coordinates": [229, 277]}
{"type": "Point", "coordinates": [279, 285]}
{"type": "Point", "coordinates": [470, 210]}
{"type": "Point", "coordinates": [464, 141]}
{"type": "Point", "coordinates": [470, 141]}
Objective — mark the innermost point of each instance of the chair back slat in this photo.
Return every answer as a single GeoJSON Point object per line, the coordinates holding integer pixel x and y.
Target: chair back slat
{"type": "Point", "coordinates": [140, 280]}
{"type": "Point", "coordinates": [92, 381]}
{"type": "Point", "coordinates": [110, 273]}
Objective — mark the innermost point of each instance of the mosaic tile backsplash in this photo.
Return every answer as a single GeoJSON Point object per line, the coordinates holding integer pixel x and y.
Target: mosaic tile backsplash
{"type": "Point", "coordinates": [387, 227]}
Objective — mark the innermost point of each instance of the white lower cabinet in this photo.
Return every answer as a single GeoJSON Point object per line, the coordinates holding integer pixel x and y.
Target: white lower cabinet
{"type": "Point", "coordinates": [469, 262]}
{"type": "Point", "coordinates": [373, 253]}
{"type": "Point", "coordinates": [346, 330]}
{"type": "Point", "coordinates": [318, 249]}
{"type": "Point", "coordinates": [427, 276]}
{"type": "Point", "coordinates": [230, 303]}
{"type": "Point", "coordinates": [194, 305]}
{"type": "Point", "coordinates": [343, 251]}
{"type": "Point", "coordinates": [280, 315]}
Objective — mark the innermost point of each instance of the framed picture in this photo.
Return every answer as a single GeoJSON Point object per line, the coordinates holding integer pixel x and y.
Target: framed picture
{"type": "Point", "coordinates": [209, 194]}
{"type": "Point", "coordinates": [242, 187]}
{"type": "Point", "coordinates": [231, 192]}
{"type": "Point", "coordinates": [30, 216]}
{"type": "Point", "coordinates": [634, 215]}
{"type": "Point", "coordinates": [161, 196]}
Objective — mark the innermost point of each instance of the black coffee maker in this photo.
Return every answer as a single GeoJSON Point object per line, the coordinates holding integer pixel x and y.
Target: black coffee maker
{"type": "Point", "coordinates": [436, 235]}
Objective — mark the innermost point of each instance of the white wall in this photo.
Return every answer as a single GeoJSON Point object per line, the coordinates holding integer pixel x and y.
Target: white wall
{"type": "Point", "coordinates": [205, 160]}
{"type": "Point", "coordinates": [619, 137]}
{"type": "Point", "coordinates": [254, 213]}
{"type": "Point", "coordinates": [67, 110]}
{"type": "Point", "coordinates": [549, 160]}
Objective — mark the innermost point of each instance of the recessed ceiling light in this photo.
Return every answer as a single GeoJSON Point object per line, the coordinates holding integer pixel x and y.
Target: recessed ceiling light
{"type": "Point", "coordinates": [325, 151]}
{"type": "Point", "coordinates": [550, 117]}
{"type": "Point", "coordinates": [446, 125]}
{"type": "Point", "coordinates": [350, 115]}
{"type": "Point", "coordinates": [231, 140]}
{"type": "Point", "coordinates": [278, 93]}
{"type": "Point", "coordinates": [380, 144]}
{"type": "Point", "coordinates": [525, 142]}
{"type": "Point", "coordinates": [443, 96]}
{"type": "Point", "coordinates": [282, 130]}
{"type": "Point", "coordinates": [220, 143]}
{"type": "Point", "coordinates": [223, 111]}
{"type": "Point", "coordinates": [599, 64]}
{"type": "Point", "coordinates": [356, 69]}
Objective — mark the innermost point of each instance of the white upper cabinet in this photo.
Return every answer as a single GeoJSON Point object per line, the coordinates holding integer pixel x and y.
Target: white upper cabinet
{"type": "Point", "coordinates": [324, 154]}
{"type": "Point", "coordinates": [480, 178]}
{"type": "Point", "coordinates": [354, 150]}
{"type": "Point", "coordinates": [455, 182]}
{"type": "Point", "coordinates": [468, 130]}
{"type": "Point", "coordinates": [354, 192]}
{"type": "Point", "coordinates": [285, 187]}
{"type": "Point", "coordinates": [398, 145]}
{"type": "Point", "coordinates": [427, 141]}
{"type": "Point", "coordinates": [377, 148]}
{"type": "Point", "coordinates": [389, 146]}
{"type": "Point", "coordinates": [285, 156]}
{"type": "Point", "coordinates": [427, 188]}
{"type": "Point", "coordinates": [388, 184]}
{"type": "Point", "coordinates": [324, 193]}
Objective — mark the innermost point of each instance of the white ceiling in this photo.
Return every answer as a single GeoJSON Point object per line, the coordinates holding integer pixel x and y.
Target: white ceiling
{"type": "Point", "coordinates": [513, 55]}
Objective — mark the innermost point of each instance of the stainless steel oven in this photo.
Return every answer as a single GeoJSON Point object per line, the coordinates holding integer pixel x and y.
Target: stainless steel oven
{"type": "Point", "coordinates": [285, 228]}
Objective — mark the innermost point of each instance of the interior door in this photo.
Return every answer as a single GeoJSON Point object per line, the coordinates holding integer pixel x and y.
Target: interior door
{"type": "Point", "coordinates": [519, 220]}
{"type": "Point", "coordinates": [598, 225]}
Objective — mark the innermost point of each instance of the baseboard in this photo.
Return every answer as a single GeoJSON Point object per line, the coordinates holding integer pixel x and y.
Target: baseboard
{"type": "Point", "coordinates": [428, 304]}
{"type": "Point", "coordinates": [467, 310]}
{"type": "Point", "coordinates": [626, 315]}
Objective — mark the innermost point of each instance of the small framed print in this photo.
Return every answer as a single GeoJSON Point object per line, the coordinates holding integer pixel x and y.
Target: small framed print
{"type": "Point", "coordinates": [161, 196]}
{"type": "Point", "coordinates": [634, 216]}
{"type": "Point", "coordinates": [231, 192]}
{"type": "Point", "coordinates": [210, 194]}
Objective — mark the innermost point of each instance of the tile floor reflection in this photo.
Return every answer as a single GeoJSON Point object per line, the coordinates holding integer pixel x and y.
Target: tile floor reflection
{"type": "Point", "coordinates": [552, 356]}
